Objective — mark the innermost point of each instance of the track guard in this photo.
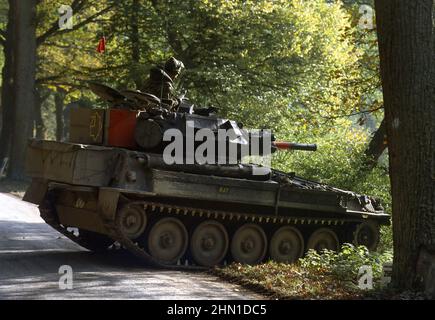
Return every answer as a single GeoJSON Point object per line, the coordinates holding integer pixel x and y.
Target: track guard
{"type": "Point", "coordinates": [108, 202]}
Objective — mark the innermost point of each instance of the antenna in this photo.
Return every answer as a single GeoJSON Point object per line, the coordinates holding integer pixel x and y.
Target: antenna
{"type": "Point", "coordinates": [161, 89]}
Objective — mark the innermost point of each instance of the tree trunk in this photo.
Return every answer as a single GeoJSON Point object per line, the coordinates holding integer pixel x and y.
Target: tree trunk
{"type": "Point", "coordinates": [7, 99]}
{"type": "Point", "coordinates": [40, 131]}
{"type": "Point", "coordinates": [406, 45]}
{"type": "Point", "coordinates": [59, 98]}
{"type": "Point", "coordinates": [24, 82]}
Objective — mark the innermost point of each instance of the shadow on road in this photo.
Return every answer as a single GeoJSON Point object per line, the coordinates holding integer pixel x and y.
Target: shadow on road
{"type": "Point", "coordinates": [31, 253]}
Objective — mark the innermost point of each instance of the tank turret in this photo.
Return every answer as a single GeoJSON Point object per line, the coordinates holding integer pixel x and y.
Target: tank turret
{"type": "Point", "coordinates": [157, 126]}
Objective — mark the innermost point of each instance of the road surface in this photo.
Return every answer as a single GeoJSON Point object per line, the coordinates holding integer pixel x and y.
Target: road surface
{"type": "Point", "coordinates": [31, 254]}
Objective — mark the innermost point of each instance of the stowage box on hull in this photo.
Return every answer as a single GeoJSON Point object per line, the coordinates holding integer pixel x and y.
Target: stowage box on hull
{"type": "Point", "coordinates": [111, 127]}
{"type": "Point", "coordinates": [69, 163]}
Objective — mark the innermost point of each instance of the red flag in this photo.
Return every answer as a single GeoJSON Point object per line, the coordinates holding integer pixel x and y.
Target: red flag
{"type": "Point", "coordinates": [102, 45]}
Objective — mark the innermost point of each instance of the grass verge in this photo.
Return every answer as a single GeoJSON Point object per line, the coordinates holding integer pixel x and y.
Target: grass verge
{"type": "Point", "coordinates": [326, 276]}
{"type": "Point", "coordinates": [283, 281]}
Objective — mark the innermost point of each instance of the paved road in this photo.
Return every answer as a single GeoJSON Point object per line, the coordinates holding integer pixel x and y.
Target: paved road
{"type": "Point", "coordinates": [31, 253]}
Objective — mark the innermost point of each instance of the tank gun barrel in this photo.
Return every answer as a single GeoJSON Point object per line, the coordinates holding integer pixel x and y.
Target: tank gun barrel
{"type": "Point", "coordinates": [285, 145]}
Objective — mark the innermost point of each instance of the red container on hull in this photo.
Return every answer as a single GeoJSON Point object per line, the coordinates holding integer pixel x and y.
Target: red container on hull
{"type": "Point", "coordinates": [120, 128]}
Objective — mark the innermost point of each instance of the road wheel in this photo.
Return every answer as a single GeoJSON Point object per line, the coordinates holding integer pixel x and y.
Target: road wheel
{"type": "Point", "coordinates": [132, 220]}
{"type": "Point", "coordinates": [367, 234]}
{"type": "Point", "coordinates": [209, 243]}
{"type": "Point", "coordinates": [249, 244]}
{"type": "Point", "coordinates": [323, 238]}
{"type": "Point", "coordinates": [286, 245]}
{"type": "Point", "coordinates": [94, 241]}
{"type": "Point", "coordinates": [167, 240]}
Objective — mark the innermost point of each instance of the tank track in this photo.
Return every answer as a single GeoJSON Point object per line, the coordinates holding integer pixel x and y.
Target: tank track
{"type": "Point", "coordinates": [160, 209]}
{"type": "Point", "coordinates": [48, 214]}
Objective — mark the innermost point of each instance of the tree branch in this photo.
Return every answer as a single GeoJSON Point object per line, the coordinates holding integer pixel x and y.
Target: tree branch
{"type": "Point", "coordinates": [376, 147]}
{"type": "Point", "coordinates": [54, 29]}
{"type": "Point", "coordinates": [173, 37]}
{"type": "Point", "coordinates": [77, 5]}
{"type": "Point", "coordinates": [2, 37]}
{"type": "Point", "coordinates": [355, 113]}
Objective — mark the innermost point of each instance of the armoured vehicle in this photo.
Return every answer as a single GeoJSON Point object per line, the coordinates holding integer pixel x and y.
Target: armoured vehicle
{"type": "Point", "coordinates": [110, 186]}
